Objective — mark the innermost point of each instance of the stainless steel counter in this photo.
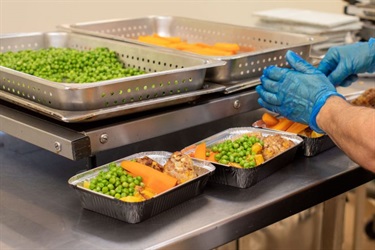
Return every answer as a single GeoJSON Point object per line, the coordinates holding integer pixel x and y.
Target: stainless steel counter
{"type": "Point", "coordinates": [39, 210]}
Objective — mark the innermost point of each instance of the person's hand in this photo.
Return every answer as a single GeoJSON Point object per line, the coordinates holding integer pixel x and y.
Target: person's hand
{"type": "Point", "coordinates": [298, 93]}
{"type": "Point", "coordinates": [342, 63]}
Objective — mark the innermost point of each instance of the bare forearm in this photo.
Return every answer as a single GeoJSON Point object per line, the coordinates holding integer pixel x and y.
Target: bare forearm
{"type": "Point", "coordinates": [352, 128]}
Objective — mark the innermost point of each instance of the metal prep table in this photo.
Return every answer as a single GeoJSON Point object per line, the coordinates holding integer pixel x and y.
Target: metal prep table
{"type": "Point", "coordinates": [40, 210]}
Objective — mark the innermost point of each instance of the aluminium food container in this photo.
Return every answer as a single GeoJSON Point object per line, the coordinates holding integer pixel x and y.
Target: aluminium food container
{"type": "Point", "coordinates": [167, 73]}
{"type": "Point", "coordinates": [310, 146]}
{"type": "Point", "coordinates": [244, 178]}
{"type": "Point", "coordinates": [270, 46]}
{"type": "Point", "coordinates": [135, 212]}
{"type": "Point", "coordinates": [314, 146]}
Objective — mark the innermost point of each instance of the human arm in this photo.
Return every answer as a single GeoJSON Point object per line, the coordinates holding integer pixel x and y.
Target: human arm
{"type": "Point", "coordinates": [341, 64]}
{"type": "Point", "coordinates": [352, 128]}
{"type": "Point", "coordinates": [303, 94]}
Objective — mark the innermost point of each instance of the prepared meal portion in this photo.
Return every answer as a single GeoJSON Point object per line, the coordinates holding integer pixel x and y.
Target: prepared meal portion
{"type": "Point", "coordinates": [314, 143]}
{"type": "Point", "coordinates": [140, 179]}
{"type": "Point", "coordinates": [244, 156]}
{"type": "Point", "coordinates": [366, 99]}
{"type": "Point", "coordinates": [176, 42]}
{"type": "Point", "coordinates": [68, 65]}
{"type": "Point", "coordinates": [246, 151]}
{"type": "Point", "coordinates": [139, 186]}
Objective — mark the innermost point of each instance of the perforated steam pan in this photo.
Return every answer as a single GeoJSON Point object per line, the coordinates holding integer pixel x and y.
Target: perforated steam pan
{"type": "Point", "coordinates": [245, 178]}
{"type": "Point", "coordinates": [167, 73]}
{"type": "Point", "coordinates": [79, 116]}
{"type": "Point", "coordinates": [135, 212]}
{"type": "Point", "coordinates": [270, 46]}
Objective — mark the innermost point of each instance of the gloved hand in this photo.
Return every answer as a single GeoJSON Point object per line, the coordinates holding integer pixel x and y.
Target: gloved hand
{"type": "Point", "coordinates": [298, 93]}
{"type": "Point", "coordinates": [342, 63]}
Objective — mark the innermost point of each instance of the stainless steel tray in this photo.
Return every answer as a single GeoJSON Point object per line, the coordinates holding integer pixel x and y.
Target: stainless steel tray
{"type": "Point", "coordinates": [245, 178]}
{"type": "Point", "coordinates": [119, 110]}
{"type": "Point", "coordinates": [140, 211]}
{"type": "Point", "coordinates": [270, 46]}
{"type": "Point", "coordinates": [167, 73]}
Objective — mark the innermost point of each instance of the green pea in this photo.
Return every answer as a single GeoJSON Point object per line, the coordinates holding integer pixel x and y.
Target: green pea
{"type": "Point", "coordinates": [112, 180]}
{"type": "Point", "coordinates": [105, 189]}
{"type": "Point", "coordinates": [111, 186]}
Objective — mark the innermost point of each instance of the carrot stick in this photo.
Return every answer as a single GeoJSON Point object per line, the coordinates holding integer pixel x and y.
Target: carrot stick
{"type": "Point", "coordinates": [202, 45]}
{"type": "Point", "coordinates": [297, 127]}
{"type": "Point", "coordinates": [212, 157]}
{"type": "Point", "coordinates": [269, 119]}
{"type": "Point", "coordinates": [154, 40]}
{"type": "Point", "coordinates": [200, 151]}
{"type": "Point", "coordinates": [283, 124]}
{"type": "Point", "coordinates": [233, 47]}
{"type": "Point", "coordinates": [209, 51]}
{"type": "Point", "coordinates": [155, 180]}
{"type": "Point", "coordinates": [173, 39]}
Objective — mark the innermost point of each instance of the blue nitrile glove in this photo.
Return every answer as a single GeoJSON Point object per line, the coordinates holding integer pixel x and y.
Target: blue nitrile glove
{"type": "Point", "coordinates": [298, 93]}
{"type": "Point", "coordinates": [342, 63]}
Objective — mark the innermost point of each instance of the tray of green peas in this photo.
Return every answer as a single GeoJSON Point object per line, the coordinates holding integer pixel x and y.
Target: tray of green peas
{"type": "Point", "coordinates": [234, 157]}
{"type": "Point", "coordinates": [99, 193]}
{"type": "Point", "coordinates": [74, 72]}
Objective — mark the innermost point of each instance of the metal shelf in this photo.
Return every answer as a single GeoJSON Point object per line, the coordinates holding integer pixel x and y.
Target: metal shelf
{"type": "Point", "coordinates": [80, 140]}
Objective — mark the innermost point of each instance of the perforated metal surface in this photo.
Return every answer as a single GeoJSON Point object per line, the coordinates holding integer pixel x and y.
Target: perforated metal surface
{"type": "Point", "coordinates": [270, 46]}
{"type": "Point", "coordinates": [167, 73]}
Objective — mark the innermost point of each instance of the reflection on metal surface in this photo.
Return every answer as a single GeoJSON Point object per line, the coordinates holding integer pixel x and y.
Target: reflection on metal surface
{"type": "Point", "coordinates": [302, 226]}
{"type": "Point", "coordinates": [300, 231]}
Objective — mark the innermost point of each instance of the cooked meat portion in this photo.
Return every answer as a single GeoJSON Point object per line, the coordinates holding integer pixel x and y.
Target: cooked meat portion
{"type": "Point", "coordinates": [180, 166]}
{"type": "Point", "coordinates": [274, 145]}
{"type": "Point", "coordinates": [366, 99]}
{"type": "Point", "coordinates": [150, 162]}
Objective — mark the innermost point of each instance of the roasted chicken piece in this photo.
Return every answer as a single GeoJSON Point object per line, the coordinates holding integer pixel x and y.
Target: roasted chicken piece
{"type": "Point", "coordinates": [180, 166]}
{"type": "Point", "coordinates": [150, 162]}
{"type": "Point", "coordinates": [366, 99]}
{"type": "Point", "coordinates": [274, 145]}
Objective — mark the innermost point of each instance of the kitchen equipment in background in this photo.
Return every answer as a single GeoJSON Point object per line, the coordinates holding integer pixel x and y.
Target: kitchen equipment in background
{"type": "Point", "coordinates": [337, 28]}
{"type": "Point", "coordinates": [365, 10]}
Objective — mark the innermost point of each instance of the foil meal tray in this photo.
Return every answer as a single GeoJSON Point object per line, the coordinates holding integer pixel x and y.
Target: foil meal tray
{"type": "Point", "coordinates": [270, 46]}
{"type": "Point", "coordinates": [245, 178]}
{"type": "Point", "coordinates": [314, 146]}
{"type": "Point", "coordinates": [167, 73]}
{"type": "Point", "coordinates": [310, 146]}
{"type": "Point", "coordinates": [135, 212]}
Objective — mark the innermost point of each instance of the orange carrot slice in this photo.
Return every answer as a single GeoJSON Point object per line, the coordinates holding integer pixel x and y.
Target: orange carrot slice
{"type": "Point", "coordinates": [297, 127]}
{"type": "Point", "coordinates": [212, 157]}
{"type": "Point", "coordinates": [233, 47]}
{"type": "Point", "coordinates": [283, 124]}
{"type": "Point", "coordinates": [200, 151]}
{"type": "Point", "coordinates": [269, 119]}
{"type": "Point", "coordinates": [155, 180]}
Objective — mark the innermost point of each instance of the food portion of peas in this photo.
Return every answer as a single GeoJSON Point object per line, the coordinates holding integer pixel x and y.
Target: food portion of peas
{"type": "Point", "coordinates": [241, 152]}
{"type": "Point", "coordinates": [116, 182]}
{"type": "Point", "coordinates": [67, 65]}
